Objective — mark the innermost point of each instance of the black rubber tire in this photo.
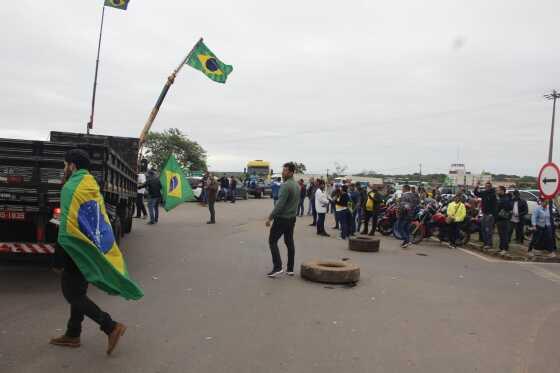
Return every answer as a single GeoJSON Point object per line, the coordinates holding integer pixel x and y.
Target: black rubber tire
{"type": "Point", "coordinates": [117, 230]}
{"type": "Point", "coordinates": [330, 271]}
{"type": "Point", "coordinates": [364, 244]}
{"type": "Point", "coordinates": [386, 229]}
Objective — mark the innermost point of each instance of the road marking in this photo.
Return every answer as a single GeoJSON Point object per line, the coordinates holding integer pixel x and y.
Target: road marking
{"type": "Point", "coordinates": [479, 256]}
{"type": "Point", "coordinates": [542, 272]}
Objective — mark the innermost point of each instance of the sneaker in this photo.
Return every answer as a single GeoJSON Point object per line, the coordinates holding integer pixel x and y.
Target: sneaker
{"type": "Point", "coordinates": [531, 254]}
{"type": "Point", "coordinates": [405, 245]}
{"type": "Point", "coordinates": [151, 223]}
{"type": "Point", "coordinates": [538, 252]}
{"type": "Point", "coordinates": [324, 234]}
{"type": "Point", "coordinates": [65, 341]}
{"type": "Point", "coordinates": [552, 254]}
{"type": "Point", "coordinates": [502, 252]}
{"type": "Point", "coordinates": [275, 272]}
{"type": "Point", "coordinates": [290, 273]}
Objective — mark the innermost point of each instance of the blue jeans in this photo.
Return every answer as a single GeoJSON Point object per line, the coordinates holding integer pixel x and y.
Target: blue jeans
{"type": "Point", "coordinates": [301, 207]}
{"type": "Point", "coordinates": [153, 209]}
{"type": "Point", "coordinates": [343, 218]}
{"type": "Point", "coordinates": [404, 229]}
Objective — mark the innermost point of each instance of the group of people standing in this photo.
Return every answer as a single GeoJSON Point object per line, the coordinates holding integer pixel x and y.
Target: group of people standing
{"type": "Point", "coordinates": [149, 186]}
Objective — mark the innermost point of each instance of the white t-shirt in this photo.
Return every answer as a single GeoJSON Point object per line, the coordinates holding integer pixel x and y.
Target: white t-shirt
{"type": "Point", "coordinates": [141, 180]}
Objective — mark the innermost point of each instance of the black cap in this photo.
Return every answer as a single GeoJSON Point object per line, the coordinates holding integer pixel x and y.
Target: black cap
{"type": "Point", "coordinates": [79, 157]}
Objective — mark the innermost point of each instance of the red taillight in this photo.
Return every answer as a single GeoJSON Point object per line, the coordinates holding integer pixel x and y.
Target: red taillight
{"type": "Point", "coordinates": [56, 213]}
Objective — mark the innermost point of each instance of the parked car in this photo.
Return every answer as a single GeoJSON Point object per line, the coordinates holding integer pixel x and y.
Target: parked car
{"type": "Point", "coordinates": [531, 196]}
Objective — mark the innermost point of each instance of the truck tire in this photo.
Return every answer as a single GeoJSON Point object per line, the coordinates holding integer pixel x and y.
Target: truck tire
{"type": "Point", "coordinates": [117, 230]}
{"type": "Point", "coordinates": [330, 271]}
{"type": "Point", "coordinates": [364, 244]}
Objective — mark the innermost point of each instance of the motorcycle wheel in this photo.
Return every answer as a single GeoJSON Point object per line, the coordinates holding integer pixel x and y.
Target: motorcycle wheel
{"type": "Point", "coordinates": [416, 232]}
{"type": "Point", "coordinates": [385, 229]}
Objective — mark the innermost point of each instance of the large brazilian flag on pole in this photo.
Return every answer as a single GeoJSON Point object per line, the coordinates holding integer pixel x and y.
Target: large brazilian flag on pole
{"type": "Point", "coordinates": [176, 187]}
{"type": "Point", "coordinates": [86, 235]}
{"type": "Point", "coordinates": [202, 58]}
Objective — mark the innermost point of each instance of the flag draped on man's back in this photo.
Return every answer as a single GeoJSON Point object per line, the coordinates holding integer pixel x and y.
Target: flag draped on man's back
{"type": "Point", "coordinates": [176, 187]}
{"type": "Point", "coordinates": [204, 60]}
{"type": "Point", "coordinates": [86, 236]}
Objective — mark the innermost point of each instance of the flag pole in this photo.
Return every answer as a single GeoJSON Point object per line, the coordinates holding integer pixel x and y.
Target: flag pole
{"type": "Point", "coordinates": [160, 99]}
{"type": "Point", "coordinates": [90, 123]}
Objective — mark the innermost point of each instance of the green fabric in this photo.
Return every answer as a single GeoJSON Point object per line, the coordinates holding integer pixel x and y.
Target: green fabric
{"type": "Point", "coordinates": [288, 201]}
{"type": "Point", "coordinates": [176, 187]}
{"type": "Point", "coordinates": [204, 60]}
{"type": "Point", "coordinates": [98, 261]}
{"type": "Point", "coordinates": [119, 4]}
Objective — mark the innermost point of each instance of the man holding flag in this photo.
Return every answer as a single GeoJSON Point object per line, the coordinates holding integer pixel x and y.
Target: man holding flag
{"type": "Point", "coordinates": [89, 254]}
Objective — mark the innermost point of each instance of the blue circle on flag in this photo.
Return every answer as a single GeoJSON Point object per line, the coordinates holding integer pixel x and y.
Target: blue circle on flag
{"type": "Point", "coordinates": [212, 64]}
{"type": "Point", "coordinates": [92, 223]}
{"type": "Point", "coordinates": [173, 183]}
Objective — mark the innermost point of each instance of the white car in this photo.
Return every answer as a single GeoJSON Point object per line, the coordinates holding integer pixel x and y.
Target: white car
{"type": "Point", "coordinates": [531, 196]}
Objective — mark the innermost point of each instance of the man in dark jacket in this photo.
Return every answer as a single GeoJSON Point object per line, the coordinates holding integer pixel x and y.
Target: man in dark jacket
{"type": "Point", "coordinates": [212, 195]}
{"type": "Point", "coordinates": [519, 213]}
{"type": "Point", "coordinates": [489, 212]}
{"type": "Point", "coordinates": [153, 185]}
{"type": "Point", "coordinates": [503, 217]}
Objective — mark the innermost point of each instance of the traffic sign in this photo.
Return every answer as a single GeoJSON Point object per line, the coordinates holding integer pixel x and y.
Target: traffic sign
{"type": "Point", "coordinates": [549, 180]}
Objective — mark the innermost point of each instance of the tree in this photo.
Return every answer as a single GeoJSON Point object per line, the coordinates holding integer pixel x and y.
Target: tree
{"type": "Point", "coordinates": [300, 168]}
{"type": "Point", "coordinates": [189, 154]}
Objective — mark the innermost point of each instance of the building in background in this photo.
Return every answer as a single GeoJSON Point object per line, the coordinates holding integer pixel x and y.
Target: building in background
{"type": "Point", "coordinates": [459, 176]}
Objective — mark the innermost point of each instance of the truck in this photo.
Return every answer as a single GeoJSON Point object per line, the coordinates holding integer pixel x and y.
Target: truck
{"type": "Point", "coordinates": [31, 174]}
{"type": "Point", "coordinates": [257, 178]}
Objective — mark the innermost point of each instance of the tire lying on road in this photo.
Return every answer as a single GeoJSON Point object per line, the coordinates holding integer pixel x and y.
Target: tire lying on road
{"type": "Point", "coordinates": [365, 244]}
{"type": "Point", "coordinates": [330, 271]}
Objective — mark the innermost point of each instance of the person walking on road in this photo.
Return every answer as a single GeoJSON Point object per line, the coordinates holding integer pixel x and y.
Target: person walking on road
{"type": "Point", "coordinates": [154, 196]}
{"type": "Point", "coordinates": [212, 196]}
{"type": "Point", "coordinates": [456, 213]}
{"type": "Point", "coordinates": [275, 189]}
{"type": "Point", "coordinates": [504, 208]}
{"type": "Point", "coordinates": [233, 188]}
{"type": "Point", "coordinates": [542, 230]}
{"type": "Point", "coordinates": [302, 195]}
{"type": "Point", "coordinates": [80, 185]}
{"type": "Point", "coordinates": [283, 221]}
{"type": "Point", "coordinates": [343, 215]}
{"type": "Point", "coordinates": [321, 204]}
{"type": "Point", "coordinates": [489, 212]}
{"type": "Point", "coordinates": [407, 208]}
{"type": "Point", "coordinates": [140, 207]}
{"type": "Point", "coordinates": [519, 214]}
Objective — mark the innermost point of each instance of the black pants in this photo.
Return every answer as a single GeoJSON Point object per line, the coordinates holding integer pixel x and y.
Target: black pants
{"type": "Point", "coordinates": [284, 227]}
{"type": "Point", "coordinates": [321, 223]}
{"type": "Point", "coordinates": [233, 194]}
{"type": "Point", "coordinates": [518, 228]}
{"type": "Point", "coordinates": [503, 232]}
{"type": "Point", "coordinates": [140, 207]}
{"type": "Point", "coordinates": [373, 216]}
{"type": "Point", "coordinates": [453, 231]}
{"type": "Point", "coordinates": [211, 205]}
{"type": "Point", "coordinates": [74, 289]}
{"type": "Point", "coordinates": [313, 211]}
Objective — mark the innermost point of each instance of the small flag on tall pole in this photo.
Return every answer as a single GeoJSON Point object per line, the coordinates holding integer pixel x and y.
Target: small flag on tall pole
{"type": "Point", "coordinates": [119, 4]}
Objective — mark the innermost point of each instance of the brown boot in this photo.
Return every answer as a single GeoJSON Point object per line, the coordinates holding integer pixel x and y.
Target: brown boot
{"type": "Point", "coordinates": [65, 341]}
{"type": "Point", "coordinates": [114, 337]}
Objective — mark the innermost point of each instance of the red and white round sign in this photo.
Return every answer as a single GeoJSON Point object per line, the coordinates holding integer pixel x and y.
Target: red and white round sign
{"type": "Point", "coordinates": [549, 180]}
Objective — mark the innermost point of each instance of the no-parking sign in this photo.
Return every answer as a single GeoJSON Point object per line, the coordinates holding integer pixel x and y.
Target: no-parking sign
{"type": "Point", "coordinates": [549, 180]}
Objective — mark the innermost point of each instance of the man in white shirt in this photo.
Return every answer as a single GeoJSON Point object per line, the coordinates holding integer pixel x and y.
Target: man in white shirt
{"type": "Point", "coordinates": [140, 207]}
{"type": "Point", "coordinates": [321, 204]}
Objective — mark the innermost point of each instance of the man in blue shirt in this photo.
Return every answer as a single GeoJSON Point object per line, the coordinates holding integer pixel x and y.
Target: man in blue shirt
{"type": "Point", "coordinates": [276, 184]}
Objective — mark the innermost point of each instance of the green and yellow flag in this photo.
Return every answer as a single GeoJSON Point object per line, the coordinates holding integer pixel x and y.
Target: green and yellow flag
{"type": "Point", "coordinates": [176, 187]}
{"type": "Point", "coordinates": [119, 4]}
{"type": "Point", "coordinates": [204, 60]}
{"type": "Point", "coordinates": [86, 235]}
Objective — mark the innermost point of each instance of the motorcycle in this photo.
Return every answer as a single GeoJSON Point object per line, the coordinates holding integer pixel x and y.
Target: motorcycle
{"type": "Point", "coordinates": [432, 222]}
{"type": "Point", "coordinates": [388, 219]}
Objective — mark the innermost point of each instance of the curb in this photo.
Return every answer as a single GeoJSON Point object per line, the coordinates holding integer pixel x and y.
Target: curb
{"type": "Point", "coordinates": [512, 256]}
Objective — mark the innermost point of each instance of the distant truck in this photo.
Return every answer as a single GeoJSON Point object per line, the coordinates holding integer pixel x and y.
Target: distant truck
{"type": "Point", "coordinates": [258, 178]}
{"type": "Point", "coordinates": [31, 175]}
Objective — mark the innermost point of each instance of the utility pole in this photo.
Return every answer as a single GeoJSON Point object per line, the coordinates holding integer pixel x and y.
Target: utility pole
{"type": "Point", "coordinates": [553, 96]}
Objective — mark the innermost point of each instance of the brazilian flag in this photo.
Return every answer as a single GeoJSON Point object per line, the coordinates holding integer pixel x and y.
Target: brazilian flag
{"type": "Point", "coordinates": [176, 187]}
{"type": "Point", "coordinates": [86, 235]}
{"type": "Point", "coordinates": [119, 4]}
{"type": "Point", "coordinates": [204, 60]}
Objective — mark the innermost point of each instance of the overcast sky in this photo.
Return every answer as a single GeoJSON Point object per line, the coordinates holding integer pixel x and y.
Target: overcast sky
{"type": "Point", "coordinates": [374, 85]}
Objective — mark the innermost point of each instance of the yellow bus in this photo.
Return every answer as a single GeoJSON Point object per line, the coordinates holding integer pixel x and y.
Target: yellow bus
{"type": "Point", "coordinates": [259, 168]}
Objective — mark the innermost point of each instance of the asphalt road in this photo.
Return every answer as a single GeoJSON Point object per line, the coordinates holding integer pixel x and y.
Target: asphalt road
{"type": "Point", "coordinates": [209, 307]}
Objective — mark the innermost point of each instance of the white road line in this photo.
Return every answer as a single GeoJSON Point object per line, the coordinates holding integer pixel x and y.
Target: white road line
{"type": "Point", "coordinates": [479, 256]}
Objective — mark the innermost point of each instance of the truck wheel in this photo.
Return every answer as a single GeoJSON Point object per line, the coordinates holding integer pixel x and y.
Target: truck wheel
{"type": "Point", "coordinates": [364, 244]}
{"type": "Point", "coordinates": [330, 272]}
{"type": "Point", "coordinates": [117, 230]}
